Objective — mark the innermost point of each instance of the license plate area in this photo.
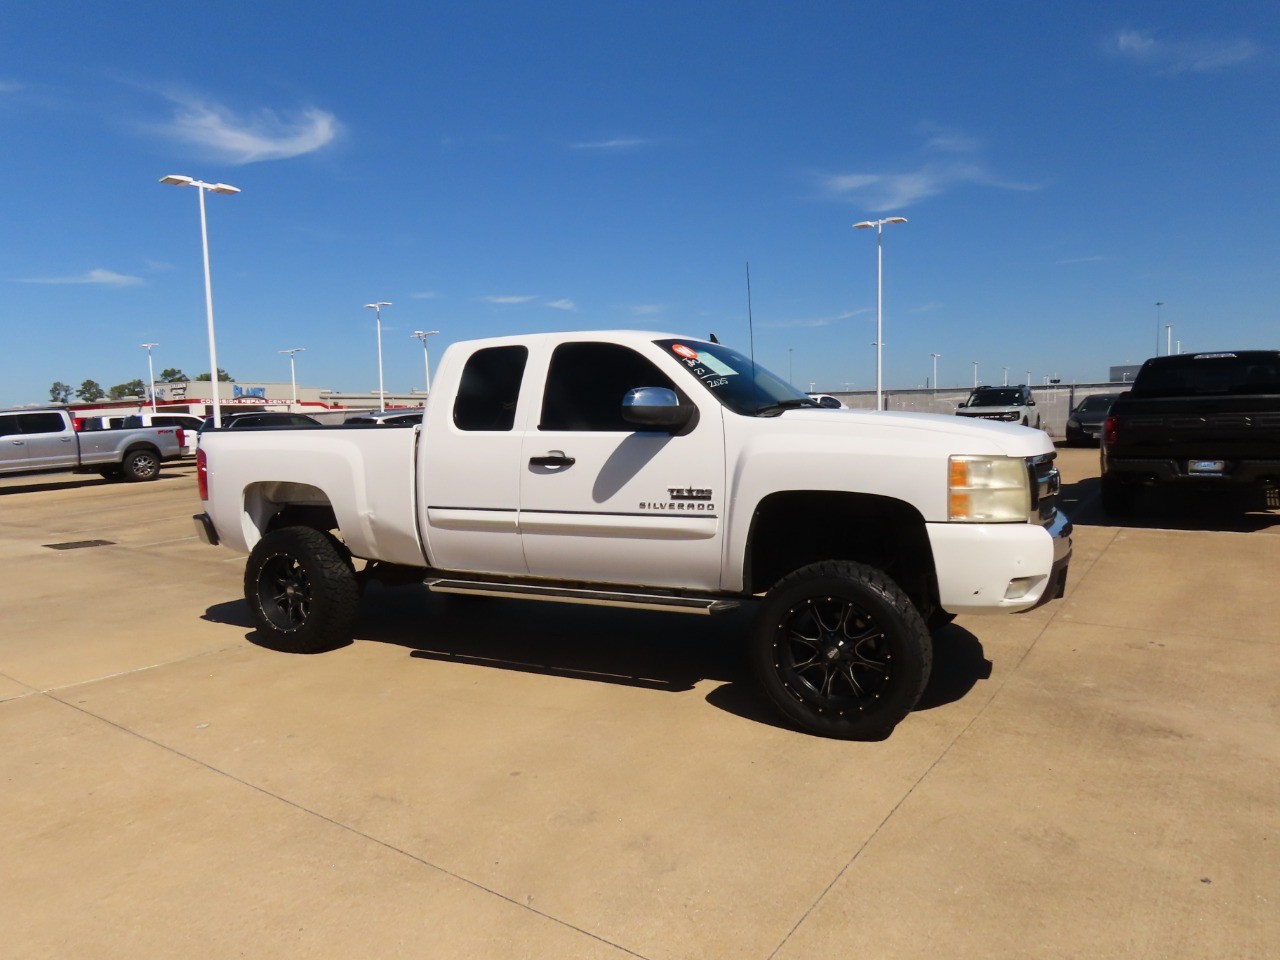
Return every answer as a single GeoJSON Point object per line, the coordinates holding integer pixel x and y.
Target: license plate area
{"type": "Point", "coordinates": [1206, 468]}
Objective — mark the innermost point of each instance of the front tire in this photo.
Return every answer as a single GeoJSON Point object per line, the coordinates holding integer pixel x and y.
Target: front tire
{"type": "Point", "coordinates": [841, 651]}
{"type": "Point", "coordinates": [302, 590]}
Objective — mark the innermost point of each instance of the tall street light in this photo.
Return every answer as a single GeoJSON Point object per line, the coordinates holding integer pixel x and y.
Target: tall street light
{"type": "Point", "coordinates": [1159, 304]}
{"type": "Point", "coordinates": [151, 373]}
{"type": "Point", "coordinates": [377, 313]}
{"type": "Point", "coordinates": [975, 372]}
{"type": "Point", "coordinates": [1006, 375]}
{"type": "Point", "coordinates": [1168, 339]}
{"type": "Point", "coordinates": [292, 377]}
{"type": "Point", "coordinates": [426, 362]}
{"type": "Point", "coordinates": [181, 181]}
{"type": "Point", "coordinates": [935, 369]}
{"type": "Point", "coordinates": [879, 225]}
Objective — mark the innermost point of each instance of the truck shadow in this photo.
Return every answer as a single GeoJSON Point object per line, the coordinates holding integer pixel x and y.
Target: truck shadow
{"type": "Point", "coordinates": [663, 652]}
{"type": "Point", "coordinates": [44, 482]}
{"type": "Point", "coordinates": [1231, 511]}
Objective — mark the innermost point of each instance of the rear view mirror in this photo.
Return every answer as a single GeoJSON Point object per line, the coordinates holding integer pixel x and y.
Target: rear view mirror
{"type": "Point", "coordinates": [656, 408]}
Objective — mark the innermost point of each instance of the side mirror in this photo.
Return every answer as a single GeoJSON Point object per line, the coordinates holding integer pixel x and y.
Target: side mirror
{"type": "Point", "coordinates": [656, 408]}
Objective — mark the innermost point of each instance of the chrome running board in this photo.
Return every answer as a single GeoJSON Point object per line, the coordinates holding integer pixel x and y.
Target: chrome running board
{"type": "Point", "coordinates": [602, 598]}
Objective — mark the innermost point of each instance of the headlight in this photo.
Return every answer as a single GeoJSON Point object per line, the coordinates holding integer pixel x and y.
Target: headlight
{"type": "Point", "coordinates": [1010, 416]}
{"type": "Point", "coordinates": [988, 490]}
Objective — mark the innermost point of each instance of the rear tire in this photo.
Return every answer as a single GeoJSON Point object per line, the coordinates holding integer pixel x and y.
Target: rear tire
{"type": "Point", "coordinates": [1119, 499]}
{"type": "Point", "coordinates": [140, 465]}
{"type": "Point", "coordinates": [841, 651]}
{"type": "Point", "coordinates": [302, 590]}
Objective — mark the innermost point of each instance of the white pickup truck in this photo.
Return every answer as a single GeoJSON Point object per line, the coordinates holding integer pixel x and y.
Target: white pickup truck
{"type": "Point", "coordinates": [660, 472]}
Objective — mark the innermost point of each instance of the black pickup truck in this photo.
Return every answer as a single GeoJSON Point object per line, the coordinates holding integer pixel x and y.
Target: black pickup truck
{"type": "Point", "coordinates": [1207, 420]}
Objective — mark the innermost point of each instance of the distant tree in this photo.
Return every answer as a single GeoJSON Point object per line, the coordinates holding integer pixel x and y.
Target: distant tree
{"type": "Point", "coordinates": [90, 391]}
{"type": "Point", "coordinates": [223, 376]}
{"type": "Point", "coordinates": [134, 388]}
{"type": "Point", "coordinates": [173, 375]}
{"type": "Point", "coordinates": [60, 392]}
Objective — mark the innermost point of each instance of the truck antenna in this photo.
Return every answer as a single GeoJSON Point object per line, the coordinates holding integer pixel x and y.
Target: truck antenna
{"type": "Point", "coordinates": [751, 327]}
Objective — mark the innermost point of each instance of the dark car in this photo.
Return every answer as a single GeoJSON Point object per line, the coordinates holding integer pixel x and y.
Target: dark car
{"type": "Point", "coordinates": [262, 418]}
{"type": "Point", "coordinates": [388, 418]}
{"type": "Point", "coordinates": [1085, 423]}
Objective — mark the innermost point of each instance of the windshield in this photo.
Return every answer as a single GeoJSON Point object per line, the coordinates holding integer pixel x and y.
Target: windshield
{"type": "Point", "coordinates": [1097, 403]}
{"type": "Point", "coordinates": [1011, 397]}
{"type": "Point", "coordinates": [742, 386]}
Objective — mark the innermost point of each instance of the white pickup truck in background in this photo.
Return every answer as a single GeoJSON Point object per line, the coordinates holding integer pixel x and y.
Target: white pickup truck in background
{"type": "Point", "coordinates": [660, 472]}
{"type": "Point", "coordinates": [33, 439]}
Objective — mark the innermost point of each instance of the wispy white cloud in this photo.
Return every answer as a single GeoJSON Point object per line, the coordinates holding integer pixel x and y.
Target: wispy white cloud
{"type": "Point", "coordinates": [929, 307]}
{"type": "Point", "coordinates": [509, 300]}
{"type": "Point", "coordinates": [106, 278]}
{"type": "Point", "coordinates": [951, 159]}
{"type": "Point", "coordinates": [1171, 57]}
{"type": "Point", "coordinates": [423, 295]}
{"type": "Point", "coordinates": [811, 322]}
{"type": "Point", "coordinates": [647, 309]}
{"type": "Point", "coordinates": [1093, 259]}
{"type": "Point", "coordinates": [262, 135]}
{"type": "Point", "coordinates": [562, 304]}
{"type": "Point", "coordinates": [10, 86]}
{"type": "Point", "coordinates": [618, 143]}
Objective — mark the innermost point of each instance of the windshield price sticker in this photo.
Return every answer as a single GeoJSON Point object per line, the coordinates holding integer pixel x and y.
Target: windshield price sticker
{"type": "Point", "coordinates": [707, 368]}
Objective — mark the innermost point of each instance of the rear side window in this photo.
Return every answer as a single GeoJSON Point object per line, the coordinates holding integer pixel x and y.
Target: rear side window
{"type": "Point", "coordinates": [42, 423]}
{"type": "Point", "coordinates": [586, 384]}
{"type": "Point", "coordinates": [489, 389]}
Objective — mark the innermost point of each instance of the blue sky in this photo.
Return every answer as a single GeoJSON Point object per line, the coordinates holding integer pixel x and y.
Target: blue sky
{"type": "Point", "coordinates": [495, 168]}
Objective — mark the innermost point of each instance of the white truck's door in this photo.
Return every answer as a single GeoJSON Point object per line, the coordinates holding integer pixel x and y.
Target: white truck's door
{"type": "Point", "coordinates": [602, 501]}
{"type": "Point", "coordinates": [469, 474]}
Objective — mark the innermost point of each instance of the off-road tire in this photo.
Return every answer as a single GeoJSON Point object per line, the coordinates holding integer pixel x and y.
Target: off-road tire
{"type": "Point", "coordinates": [302, 590]}
{"type": "Point", "coordinates": [140, 465]}
{"type": "Point", "coordinates": [841, 651]}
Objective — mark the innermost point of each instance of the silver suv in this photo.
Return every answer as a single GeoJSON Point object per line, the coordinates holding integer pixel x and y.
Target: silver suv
{"type": "Point", "coordinates": [1007, 404]}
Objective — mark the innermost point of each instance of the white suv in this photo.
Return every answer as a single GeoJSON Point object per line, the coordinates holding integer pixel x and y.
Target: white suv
{"type": "Point", "coordinates": [1008, 404]}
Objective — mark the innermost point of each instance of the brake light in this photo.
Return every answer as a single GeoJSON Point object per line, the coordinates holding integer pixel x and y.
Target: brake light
{"type": "Point", "coordinates": [202, 474]}
{"type": "Point", "coordinates": [1111, 431]}
{"type": "Point", "coordinates": [77, 424]}
{"type": "Point", "coordinates": [182, 441]}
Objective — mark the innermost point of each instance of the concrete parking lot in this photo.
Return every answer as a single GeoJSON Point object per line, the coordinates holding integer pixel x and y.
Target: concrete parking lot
{"type": "Point", "coordinates": [1098, 778]}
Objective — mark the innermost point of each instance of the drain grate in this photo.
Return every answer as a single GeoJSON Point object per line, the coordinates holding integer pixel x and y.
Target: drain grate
{"type": "Point", "coordinates": [78, 544]}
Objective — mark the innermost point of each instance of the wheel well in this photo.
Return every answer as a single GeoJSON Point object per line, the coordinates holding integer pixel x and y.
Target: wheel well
{"type": "Point", "coordinates": [791, 530]}
{"type": "Point", "coordinates": [134, 448]}
{"type": "Point", "coordinates": [276, 505]}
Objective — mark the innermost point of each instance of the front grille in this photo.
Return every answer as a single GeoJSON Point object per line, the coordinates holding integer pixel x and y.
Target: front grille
{"type": "Point", "coordinates": [1045, 486]}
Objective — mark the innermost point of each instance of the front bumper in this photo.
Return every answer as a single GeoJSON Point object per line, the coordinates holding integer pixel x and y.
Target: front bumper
{"type": "Point", "coordinates": [1000, 567]}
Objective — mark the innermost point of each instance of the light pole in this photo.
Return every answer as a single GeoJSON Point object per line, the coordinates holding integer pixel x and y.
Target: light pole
{"type": "Point", "coordinates": [1028, 380]}
{"type": "Point", "coordinates": [975, 372]}
{"type": "Point", "coordinates": [292, 377]}
{"type": "Point", "coordinates": [151, 374]}
{"type": "Point", "coordinates": [1006, 375]}
{"type": "Point", "coordinates": [426, 362]}
{"type": "Point", "coordinates": [935, 369]}
{"type": "Point", "coordinates": [879, 225]}
{"type": "Point", "coordinates": [790, 364]}
{"type": "Point", "coordinates": [1168, 339]}
{"type": "Point", "coordinates": [377, 313]}
{"type": "Point", "coordinates": [180, 181]}
{"type": "Point", "coordinates": [1159, 304]}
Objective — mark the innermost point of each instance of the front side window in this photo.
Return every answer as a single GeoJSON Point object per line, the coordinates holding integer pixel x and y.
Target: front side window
{"type": "Point", "coordinates": [586, 384]}
{"type": "Point", "coordinates": [490, 388]}
{"type": "Point", "coordinates": [9, 425]}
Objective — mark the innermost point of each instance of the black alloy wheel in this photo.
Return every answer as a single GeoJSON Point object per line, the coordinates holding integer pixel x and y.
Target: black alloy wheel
{"type": "Point", "coordinates": [302, 589]}
{"type": "Point", "coordinates": [841, 650]}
